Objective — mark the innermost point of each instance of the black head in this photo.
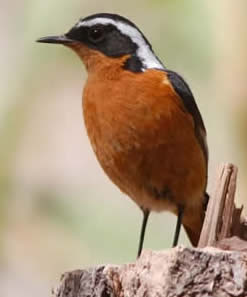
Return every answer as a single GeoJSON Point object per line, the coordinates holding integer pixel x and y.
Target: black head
{"type": "Point", "coordinates": [114, 36]}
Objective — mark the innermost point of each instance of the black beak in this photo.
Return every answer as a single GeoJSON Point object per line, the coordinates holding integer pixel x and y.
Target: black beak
{"type": "Point", "coordinates": [63, 39]}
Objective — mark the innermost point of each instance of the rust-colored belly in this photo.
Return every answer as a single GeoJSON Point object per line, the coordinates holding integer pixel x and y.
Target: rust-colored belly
{"type": "Point", "coordinates": [145, 141]}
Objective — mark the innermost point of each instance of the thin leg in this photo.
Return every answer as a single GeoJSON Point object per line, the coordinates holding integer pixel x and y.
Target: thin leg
{"type": "Point", "coordinates": [178, 226]}
{"type": "Point", "coordinates": [144, 224]}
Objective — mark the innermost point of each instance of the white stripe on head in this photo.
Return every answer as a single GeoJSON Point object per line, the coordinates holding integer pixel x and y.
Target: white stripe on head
{"type": "Point", "coordinates": [144, 51]}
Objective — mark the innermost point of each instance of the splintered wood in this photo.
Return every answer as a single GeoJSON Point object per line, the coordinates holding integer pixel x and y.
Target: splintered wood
{"type": "Point", "coordinates": [223, 226]}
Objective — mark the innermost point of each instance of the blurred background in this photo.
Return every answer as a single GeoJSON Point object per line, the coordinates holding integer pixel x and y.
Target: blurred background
{"type": "Point", "coordinates": [58, 211]}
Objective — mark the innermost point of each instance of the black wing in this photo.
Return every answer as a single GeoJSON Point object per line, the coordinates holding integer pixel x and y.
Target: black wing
{"type": "Point", "coordinates": [183, 90]}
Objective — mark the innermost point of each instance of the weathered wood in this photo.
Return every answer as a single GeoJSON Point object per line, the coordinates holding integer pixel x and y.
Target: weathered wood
{"type": "Point", "coordinates": [204, 271]}
{"type": "Point", "coordinates": [239, 224]}
{"type": "Point", "coordinates": [228, 206]}
{"type": "Point", "coordinates": [233, 243]}
{"type": "Point", "coordinates": [218, 219]}
{"type": "Point", "coordinates": [176, 272]}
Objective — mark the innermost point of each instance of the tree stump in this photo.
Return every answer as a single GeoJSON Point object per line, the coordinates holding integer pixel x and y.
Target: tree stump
{"type": "Point", "coordinates": [176, 272]}
{"type": "Point", "coordinates": [218, 267]}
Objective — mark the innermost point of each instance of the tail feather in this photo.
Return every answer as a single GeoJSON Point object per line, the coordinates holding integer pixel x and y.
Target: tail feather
{"type": "Point", "coordinates": [193, 223]}
{"type": "Point", "coordinates": [193, 234]}
{"type": "Point", "coordinates": [205, 202]}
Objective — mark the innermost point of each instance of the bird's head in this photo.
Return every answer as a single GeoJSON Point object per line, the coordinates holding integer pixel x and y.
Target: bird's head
{"type": "Point", "coordinates": [108, 37]}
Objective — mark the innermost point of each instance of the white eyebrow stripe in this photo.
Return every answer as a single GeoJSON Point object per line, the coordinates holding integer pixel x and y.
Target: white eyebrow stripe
{"type": "Point", "coordinates": [148, 58]}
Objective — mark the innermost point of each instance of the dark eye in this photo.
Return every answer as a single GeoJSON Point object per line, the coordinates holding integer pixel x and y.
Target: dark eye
{"type": "Point", "coordinates": [96, 34]}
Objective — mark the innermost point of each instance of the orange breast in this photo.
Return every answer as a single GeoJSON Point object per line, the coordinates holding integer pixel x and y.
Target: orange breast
{"type": "Point", "coordinates": [144, 139]}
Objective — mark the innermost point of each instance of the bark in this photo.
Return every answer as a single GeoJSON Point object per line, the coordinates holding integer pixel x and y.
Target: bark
{"type": "Point", "coordinates": [176, 272]}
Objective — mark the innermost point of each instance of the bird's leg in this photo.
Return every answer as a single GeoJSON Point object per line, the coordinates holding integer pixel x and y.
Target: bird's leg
{"type": "Point", "coordinates": [178, 226]}
{"type": "Point", "coordinates": [143, 228]}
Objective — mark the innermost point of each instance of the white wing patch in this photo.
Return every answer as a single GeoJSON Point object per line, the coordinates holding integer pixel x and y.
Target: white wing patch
{"type": "Point", "coordinates": [148, 58]}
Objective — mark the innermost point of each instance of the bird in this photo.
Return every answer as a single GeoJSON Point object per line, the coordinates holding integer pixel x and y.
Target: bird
{"type": "Point", "coordinates": [142, 121]}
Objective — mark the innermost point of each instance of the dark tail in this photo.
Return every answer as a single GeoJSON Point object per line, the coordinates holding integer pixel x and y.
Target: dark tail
{"type": "Point", "coordinates": [193, 222]}
{"type": "Point", "coordinates": [193, 234]}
